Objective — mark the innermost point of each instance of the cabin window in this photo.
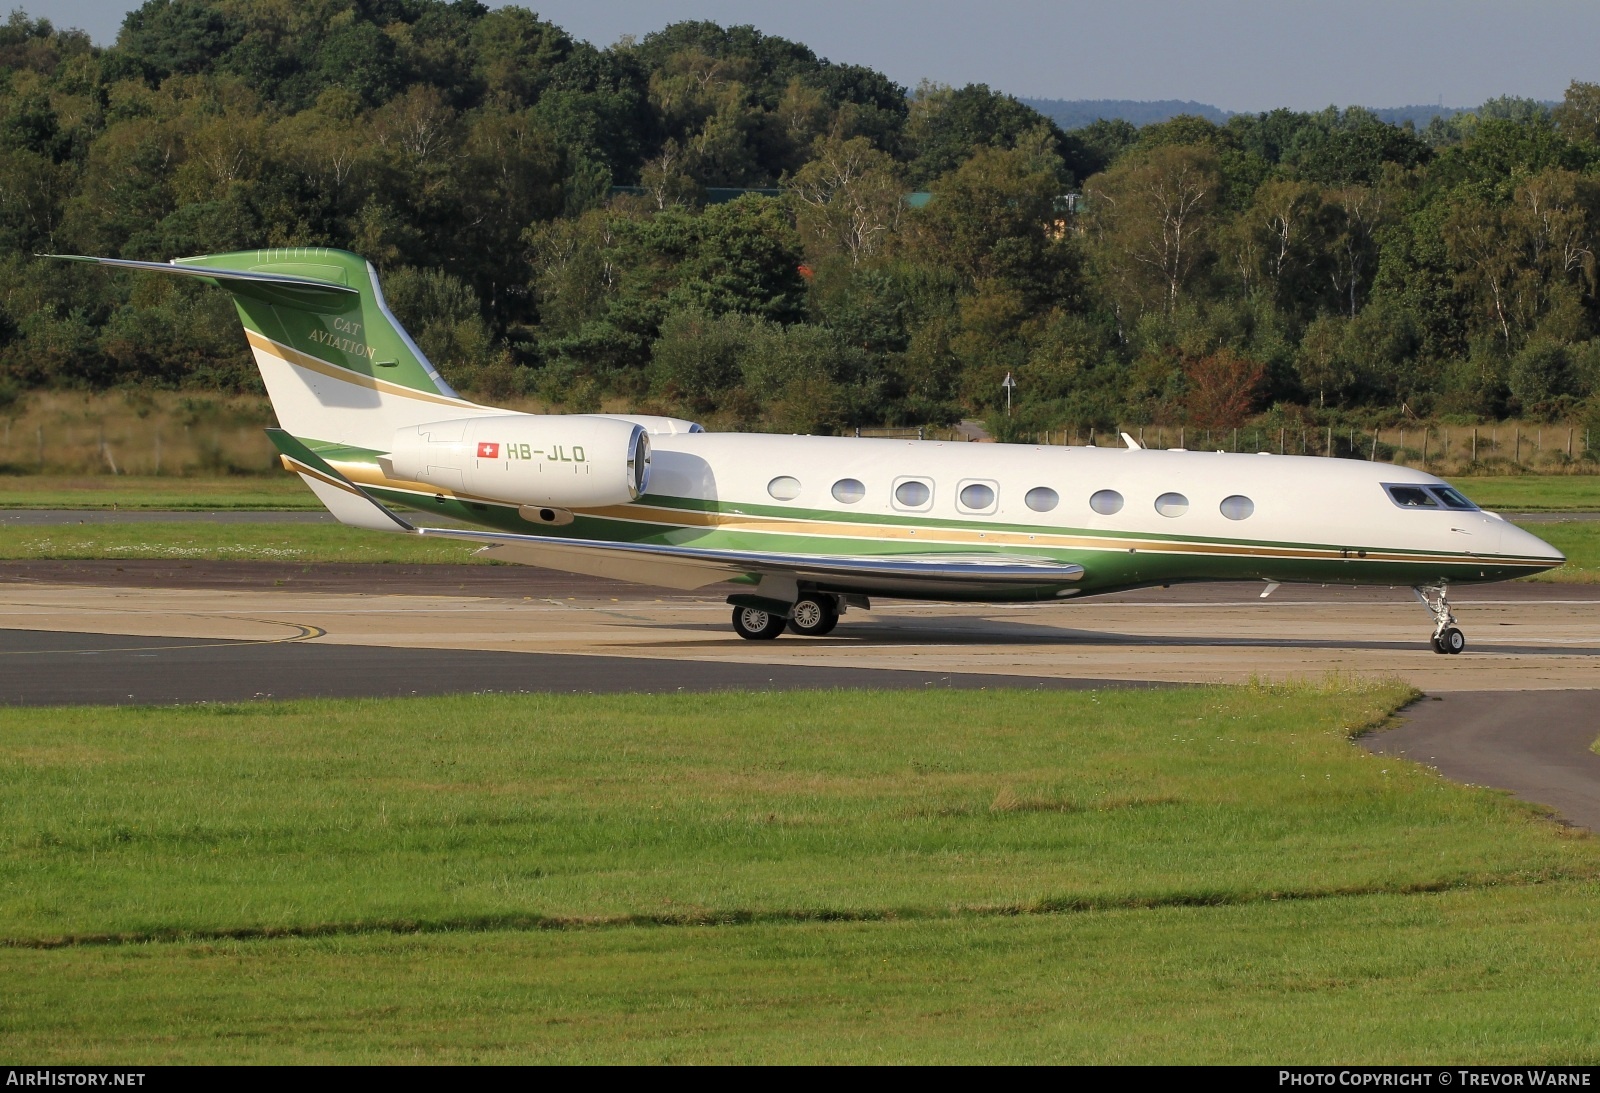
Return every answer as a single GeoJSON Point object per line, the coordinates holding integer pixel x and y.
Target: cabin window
{"type": "Point", "coordinates": [784, 488]}
{"type": "Point", "coordinates": [1106, 502]}
{"type": "Point", "coordinates": [977, 497]}
{"type": "Point", "coordinates": [1412, 497]}
{"type": "Point", "coordinates": [1451, 499]}
{"type": "Point", "coordinates": [847, 491]}
{"type": "Point", "coordinates": [1042, 499]}
{"type": "Point", "coordinates": [1238, 507]}
{"type": "Point", "coordinates": [1172, 504]}
{"type": "Point", "coordinates": [912, 493]}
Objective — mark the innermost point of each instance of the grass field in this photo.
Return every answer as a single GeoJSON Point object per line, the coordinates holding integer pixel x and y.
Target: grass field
{"type": "Point", "coordinates": [1206, 874]}
{"type": "Point", "coordinates": [228, 542]}
{"type": "Point", "coordinates": [50, 491]}
{"type": "Point", "coordinates": [1534, 492]}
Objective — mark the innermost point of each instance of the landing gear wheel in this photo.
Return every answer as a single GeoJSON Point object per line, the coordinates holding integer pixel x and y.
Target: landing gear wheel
{"type": "Point", "coordinates": [1446, 637]}
{"type": "Point", "coordinates": [754, 624]}
{"type": "Point", "coordinates": [814, 616]}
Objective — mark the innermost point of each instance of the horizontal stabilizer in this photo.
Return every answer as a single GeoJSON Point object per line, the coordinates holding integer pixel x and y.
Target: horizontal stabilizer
{"type": "Point", "coordinates": [237, 280]}
{"type": "Point", "coordinates": [348, 502]}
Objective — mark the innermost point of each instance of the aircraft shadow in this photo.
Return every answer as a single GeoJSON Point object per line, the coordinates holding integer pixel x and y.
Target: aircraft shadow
{"type": "Point", "coordinates": [986, 632]}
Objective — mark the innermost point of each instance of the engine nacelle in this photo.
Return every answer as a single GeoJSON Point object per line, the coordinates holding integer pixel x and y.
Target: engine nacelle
{"type": "Point", "coordinates": [555, 460]}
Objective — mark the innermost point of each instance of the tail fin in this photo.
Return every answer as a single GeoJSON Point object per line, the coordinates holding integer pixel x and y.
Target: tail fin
{"type": "Point", "coordinates": [337, 365]}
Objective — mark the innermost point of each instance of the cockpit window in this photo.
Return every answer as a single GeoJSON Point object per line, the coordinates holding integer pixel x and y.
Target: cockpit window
{"type": "Point", "coordinates": [1451, 499]}
{"type": "Point", "coordinates": [1412, 497]}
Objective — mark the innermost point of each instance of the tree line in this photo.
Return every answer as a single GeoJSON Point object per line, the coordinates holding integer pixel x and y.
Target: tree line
{"type": "Point", "coordinates": [550, 220]}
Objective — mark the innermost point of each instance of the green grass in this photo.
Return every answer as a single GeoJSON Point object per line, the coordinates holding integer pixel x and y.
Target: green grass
{"type": "Point", "coordinates": [1533, 492]}
{"type": "Point", "coordinates": [274, 491]}
{"type": "Point", "coordinates": [1490, 975]}
{"type": "Point", "coordinates": [1579, 540]}
{"type": "Point", "coordinates": [1188, 874]}
{"type": "Point", "coordinates": [228, 542]}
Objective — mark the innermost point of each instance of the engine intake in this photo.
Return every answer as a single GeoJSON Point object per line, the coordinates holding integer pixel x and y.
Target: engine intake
{"type": "Point", "coordinates": [558, 461]}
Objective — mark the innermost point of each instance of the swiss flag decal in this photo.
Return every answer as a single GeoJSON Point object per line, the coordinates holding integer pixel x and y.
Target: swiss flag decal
{"type": "Point", "coordinates": [488, 450]}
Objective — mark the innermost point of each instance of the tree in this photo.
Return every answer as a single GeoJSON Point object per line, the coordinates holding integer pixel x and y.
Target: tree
{"type": "Point", "coordinates": [1150, 218]}
{"type": "Point", "coordinates": [1222, 389]}
{"type": "Point", "coordinates": [1578, 116]}
{"type": "Point", "coordinates": [848, 199]}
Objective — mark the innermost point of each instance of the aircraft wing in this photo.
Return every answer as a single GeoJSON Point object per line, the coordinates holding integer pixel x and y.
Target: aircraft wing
{"type": "Point", "coordinates": [677, 566]}
{"type": "Point", "coordinates": [682, 566]}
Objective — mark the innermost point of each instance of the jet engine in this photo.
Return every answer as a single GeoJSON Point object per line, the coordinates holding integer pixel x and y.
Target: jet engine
{"type": "Point", "coordinates": [557, 460]}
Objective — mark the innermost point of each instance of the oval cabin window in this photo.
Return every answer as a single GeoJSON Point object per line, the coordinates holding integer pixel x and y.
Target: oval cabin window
{"type": "Point", "coordinates": [1106, 502]}
{"type": "Point", "coordinates": [848, 491]}
{"type": "Point", "coordinates": [1238, 507]}
{"type": "Point", "coordinates": [912, 494]}
{"type": "Point", "coordinates": [784, 488]}
{"type": "Point", "coordinates": [1042, 499]}
{"type": "Point", "coordinates": [977, 496]}
{"type": "Point", "coordinates": [1172, 504]}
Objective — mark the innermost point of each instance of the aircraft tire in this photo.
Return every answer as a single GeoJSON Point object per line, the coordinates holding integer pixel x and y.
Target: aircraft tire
{"type": "Point", "coordinates": [1437, 648]}
{"type": "Point", "coordinates": [813, 616]}
{"type": "Point", "coordinates": [1452, 641]}
{"type": "Point", "coordinates": [754, 624]}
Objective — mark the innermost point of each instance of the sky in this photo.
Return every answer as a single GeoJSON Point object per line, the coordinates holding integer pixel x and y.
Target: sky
{"type": "Point", "coordinates": [1241, 55]}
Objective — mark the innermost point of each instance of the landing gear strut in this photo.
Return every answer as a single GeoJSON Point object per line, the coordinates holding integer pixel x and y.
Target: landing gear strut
{"type": "Point", "coordinates": [1446, 637]}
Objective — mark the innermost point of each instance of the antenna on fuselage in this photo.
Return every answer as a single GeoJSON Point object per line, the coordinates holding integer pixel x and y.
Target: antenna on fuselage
{"type": "Point", "coordinates": [1132, 443]}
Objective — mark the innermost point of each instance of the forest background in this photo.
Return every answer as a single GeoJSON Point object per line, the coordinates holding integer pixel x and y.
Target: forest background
{"type": "Point", "coordinates": [564, 223]}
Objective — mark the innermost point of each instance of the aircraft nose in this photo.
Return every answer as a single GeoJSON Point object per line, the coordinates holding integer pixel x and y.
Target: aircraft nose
{"type": "Point", "coordinates": [1524, 544]}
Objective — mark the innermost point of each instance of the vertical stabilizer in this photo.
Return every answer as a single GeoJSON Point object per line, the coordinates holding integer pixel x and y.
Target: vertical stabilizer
{"type": "Point", "coordinates": [337, 365]}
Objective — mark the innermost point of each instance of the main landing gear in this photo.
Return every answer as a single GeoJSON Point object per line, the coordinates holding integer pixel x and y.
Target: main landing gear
{"type": "Point", "coordinates": [812, 615]}
{"type": "Point", "coordinates": [1446, 637]}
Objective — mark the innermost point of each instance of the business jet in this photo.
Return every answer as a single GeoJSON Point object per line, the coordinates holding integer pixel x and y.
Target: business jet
{"type": "Point", "coordinates": [809, 526]}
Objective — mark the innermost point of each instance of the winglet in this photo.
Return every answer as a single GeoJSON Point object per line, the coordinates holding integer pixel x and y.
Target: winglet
{"type": "Point", "coordinates": [348, 502]}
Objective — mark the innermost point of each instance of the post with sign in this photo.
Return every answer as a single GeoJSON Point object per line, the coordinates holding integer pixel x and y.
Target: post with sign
{"type": "Point", "coordinates": [1009, 384]}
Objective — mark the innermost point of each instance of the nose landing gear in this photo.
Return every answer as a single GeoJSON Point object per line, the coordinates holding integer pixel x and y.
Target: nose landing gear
{"type": "Point", "coordinates": [1447, 638]}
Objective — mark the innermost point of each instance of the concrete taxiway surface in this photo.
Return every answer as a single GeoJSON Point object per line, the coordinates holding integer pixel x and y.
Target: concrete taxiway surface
{"type": "Point", "coordinates": [53, 668]}
{"type": "Point", "coordinates": [1520, 636]}
{"type": "Point", "coordinates": [1535, 745]}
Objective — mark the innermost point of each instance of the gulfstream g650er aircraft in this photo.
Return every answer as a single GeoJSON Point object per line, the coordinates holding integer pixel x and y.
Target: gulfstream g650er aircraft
{"type": "Point", "coordinates": [811, 525]}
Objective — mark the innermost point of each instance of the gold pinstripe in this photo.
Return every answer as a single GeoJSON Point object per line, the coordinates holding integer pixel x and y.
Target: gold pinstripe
{"type": "Point", "coordinates": [669, 519]}
{"type": "Point", "coordinates": [293, 356]}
